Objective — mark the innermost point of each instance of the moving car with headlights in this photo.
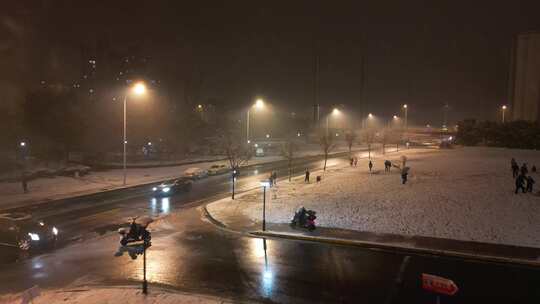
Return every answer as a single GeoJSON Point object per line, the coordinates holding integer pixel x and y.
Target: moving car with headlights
{"type": "Point", "coordinates": [218, 169]}
{"type": "Point", "coordinates": [26, 233]}
{"type": "Point", "coordinates": [195, 173]}
{"type": "Point", "coordinates": [173, 186]}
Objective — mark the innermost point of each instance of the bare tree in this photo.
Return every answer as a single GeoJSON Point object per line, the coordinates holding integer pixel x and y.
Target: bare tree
{"type": "Point", "coordinates": [350, 137]}
{"type": "Point", "coordinates": [327, 145]}
{"type": "Point", "coordinates": [237, 151]}
{"type": "Point", "coordinates": [287, 150]}
{"type": "Point", "coordinates": [368, 136]}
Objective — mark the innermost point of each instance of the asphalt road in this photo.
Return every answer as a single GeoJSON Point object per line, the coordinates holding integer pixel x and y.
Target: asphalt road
{"type": "Point", "coordinates": [192, 255]}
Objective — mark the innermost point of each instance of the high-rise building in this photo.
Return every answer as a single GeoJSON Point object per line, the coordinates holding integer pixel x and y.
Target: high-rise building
{"type": "Point", "coordinates": [524, 84]}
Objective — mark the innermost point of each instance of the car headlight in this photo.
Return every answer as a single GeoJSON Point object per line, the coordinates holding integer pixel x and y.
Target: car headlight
{"type": "Point", "coordinates": [166, 189]}
{"type": "Point", "coordinates": [34, 236]}
{"type": "Point", "coordinates": [154, 189]}
{"type": "Point", "coordinates": [54, 231]}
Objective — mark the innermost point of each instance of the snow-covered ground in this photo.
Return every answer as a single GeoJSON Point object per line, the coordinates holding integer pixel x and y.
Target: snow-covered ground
{"type": "Point", "coordinates": [97, 295]}
{"type": "Point", "coordinates": [464, 194]}
{"type": "Point", "coordinates": [41, 189]}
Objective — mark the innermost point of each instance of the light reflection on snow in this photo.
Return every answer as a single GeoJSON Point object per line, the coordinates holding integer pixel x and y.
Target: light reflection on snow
{"type": "Point", "coordinates": [165, 205]}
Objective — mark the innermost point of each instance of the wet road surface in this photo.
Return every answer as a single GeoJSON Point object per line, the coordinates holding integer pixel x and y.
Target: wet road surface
{"type": "Point", "coordinates": [192, 255]}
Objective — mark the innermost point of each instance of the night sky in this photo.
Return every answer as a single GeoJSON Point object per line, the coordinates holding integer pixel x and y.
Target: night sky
{"type": "Point", "coordinates": [423, 53]}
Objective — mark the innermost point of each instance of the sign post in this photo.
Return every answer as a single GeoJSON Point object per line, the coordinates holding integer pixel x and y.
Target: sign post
{"type": "Point", "coordinates": [439, 285]}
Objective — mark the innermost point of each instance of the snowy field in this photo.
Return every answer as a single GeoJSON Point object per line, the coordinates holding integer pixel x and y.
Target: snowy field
{"type": "Point", "coordinates": [463, 194]}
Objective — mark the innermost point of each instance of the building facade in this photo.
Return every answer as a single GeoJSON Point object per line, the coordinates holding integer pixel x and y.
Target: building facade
{"type": "Point", "coordinates": [524, 84]}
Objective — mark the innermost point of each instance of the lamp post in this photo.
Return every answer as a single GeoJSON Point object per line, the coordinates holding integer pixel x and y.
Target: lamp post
{"type": "Point", "coordinates": [259, 104]}
{"type": "Point", "coordinates": [264, 184]}
{"type": "Point", "coordinates": [503, 108]}
{"type": "Point", "coordinates": [138, 89]}
{"type": "Point", "coordinates": [335, 112]}
{"type": "Point", "coordinates": [405, 108]}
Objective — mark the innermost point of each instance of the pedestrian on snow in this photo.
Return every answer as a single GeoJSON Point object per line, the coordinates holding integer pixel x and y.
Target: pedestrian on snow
{"type": "Point", "coordinates": [355, 161]}
{"type": "Point", "coordinates": [271, 179]}
{"type": "Point", "coordinates": [352, 161]}
{"type": "Point", "coordinates": [274, 177]}
{"type": "Point", "coordinates": [520, 183]}
{"type": "Point", "coordinates": [530, 183]}
{"type": "Point", "coordinates": [306, 179]}
{"type": "Point", "coordinates": [524, 169]}
{"type": "Point", "coordinates": [370, 165]}
{"type": "Point", "coordinates": [533, 169]}
{"type": "Point", "coordinates": [387, 165]}
{"type": "Point", "coordinates": [515, 168]}
{"type": "Point", "coordinates": [404, 174]}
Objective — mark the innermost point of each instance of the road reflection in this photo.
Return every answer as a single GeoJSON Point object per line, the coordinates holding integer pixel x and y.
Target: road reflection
{"type": "Point", "coordinates": [259, 250]}
{"type": "Point", "coordinates": [160, 206]}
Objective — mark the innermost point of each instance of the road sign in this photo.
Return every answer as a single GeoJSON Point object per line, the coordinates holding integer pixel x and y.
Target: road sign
{"type": "Point", "coordinates": [439, 284]}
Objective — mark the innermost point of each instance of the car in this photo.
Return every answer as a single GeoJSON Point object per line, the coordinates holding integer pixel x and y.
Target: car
{"type": "Point", "coordinates": [218, 169]}
{"type": "Point", "coordinates": [26, 233]}
{"type": "Point", "coordinates": [171, 187]}
{"type": "Point", "coordinates": [195, 173]}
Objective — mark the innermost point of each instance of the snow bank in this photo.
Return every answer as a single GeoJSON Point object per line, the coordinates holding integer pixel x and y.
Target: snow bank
{"type": "Point", "coordinates": [464, 194]}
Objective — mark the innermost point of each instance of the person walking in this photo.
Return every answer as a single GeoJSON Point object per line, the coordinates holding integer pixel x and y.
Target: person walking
{"type": "Point", "coordinates": [306, 179]}
{"type": "Point", "coordinates": [524, 169]}
{"type": "Point", "coordinates": [533, 169]}
{"type": "Point", "coordinates": [530, 183]}
{"type": "Point", "coordinates": [387, 165]}
{"type": "Point", "coordinates": [24, 182]}
{"type": "Point", "coordinates": [352, 161]}
{"type": "Point", "coordinates": [515, 167]}
{"type": "Point", "coordinates": [370, 165]}
{"type": "Point", "coordinates": [355, 161]}
{"type": "Point", "coordinates": [274, 177]}
{"type": "Point", "coordinates": [404, 175]}
{"type": "Point", "coordinates": [520, 180]}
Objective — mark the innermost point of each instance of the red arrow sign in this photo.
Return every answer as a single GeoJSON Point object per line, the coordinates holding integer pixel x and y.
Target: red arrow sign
{"type": "Point", "coordinates": [439, 284]}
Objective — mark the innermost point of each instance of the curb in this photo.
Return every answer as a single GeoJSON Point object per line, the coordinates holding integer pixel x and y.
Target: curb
{"type": "Point", "coordinates": [394, 248]}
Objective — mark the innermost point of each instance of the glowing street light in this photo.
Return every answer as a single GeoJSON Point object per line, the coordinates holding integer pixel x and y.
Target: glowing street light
{"type": "Point", "coordinates": [138, 89]}
{"type": "Point", "coordinates": [22, 144]}
{"type": "Point", "coordinates": [405, 108]}
{"type": "Point", "coordinates": [395, 117]}
{"type": "Point", "coordinates": [370, 115]}
{"type": "Point", "coordinates": [335, 112]}
{"type": "Point", "coordinates": [503, 108]}
{"type": "Point", "coordinates": [259, 105]}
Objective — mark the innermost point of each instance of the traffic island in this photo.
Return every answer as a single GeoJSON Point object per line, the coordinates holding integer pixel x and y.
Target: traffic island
{"type": "Point", "coordinates": [456, 203]}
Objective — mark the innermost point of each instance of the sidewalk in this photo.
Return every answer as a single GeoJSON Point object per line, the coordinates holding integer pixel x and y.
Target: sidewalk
{"type": "Point", "coordinates": [238, 216]}
{"type": "Point", "coordinates": [125, 294]}
{"type": "Point", "coordinates": [62, 187]}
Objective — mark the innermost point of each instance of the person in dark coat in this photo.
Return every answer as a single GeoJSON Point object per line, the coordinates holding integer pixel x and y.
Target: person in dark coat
{"type": "Point", "coordinates": [370, 165]}
{"type": "Point", "coordinates": [524, 169]}
{"type": "Point", "coordinates": [355, 161]}
{"type": "Point", "coordinates": [352, 161]}
{"type": "Point", "coordinates": [533, 169]}
{"type": "Point", "coordinates": [306, 179]}
{"type": "Point", "coordinates": [24, 182]}
{"type": "Point", "coordinates": [387, 165]}
{"type": "Point", "coordinates": [404, 175]}
{"type": "Point", "coordinates": [515, 168]}
{"type": "Point", "coordinates": [520, 183]}
{"type": "Point", "coordinates": [274, 177]}
{"type": "Point", "coordinates": [530, 183]}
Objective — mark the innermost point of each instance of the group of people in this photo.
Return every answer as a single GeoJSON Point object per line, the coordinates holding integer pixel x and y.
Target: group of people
{"type": "Point", "coordinates": [524, 181]}
{"type": "Point", "coordinates": [354, 161]}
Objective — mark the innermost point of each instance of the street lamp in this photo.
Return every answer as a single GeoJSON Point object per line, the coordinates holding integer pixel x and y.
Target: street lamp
{"type": "Point", "coordinates": [405, 108]}
{"type": "Point", "coordinates": [138, 89]}
{"type": "Point", "coordinates": [22, 144]}
{"type": "Point", "coordinates": [503, 108]}
{"type": "Point", "coordinates": [259, 105]}
{"type": "Point", "coordinates": [335, 112]}
{"type": "Point", "coordinates": [264, 184]}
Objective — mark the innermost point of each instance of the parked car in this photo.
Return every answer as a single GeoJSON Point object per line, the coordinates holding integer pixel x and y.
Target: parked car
{"type": "Point", "coordinates": [26, 233]}
{"type": "Point", "coordinates": [173, 186]}
{"type": "Point", "coordinates": [218, 169]}
{"type": "Point", "coordinates": [195, 173]}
